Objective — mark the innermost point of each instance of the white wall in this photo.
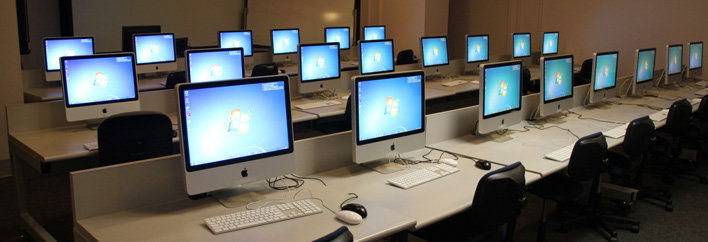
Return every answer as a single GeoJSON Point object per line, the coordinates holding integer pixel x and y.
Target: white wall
{"type": "Point", "coordinates": [11, 84]}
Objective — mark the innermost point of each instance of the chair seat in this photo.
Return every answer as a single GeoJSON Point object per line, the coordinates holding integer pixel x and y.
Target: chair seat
{"type": "Point", "coordinates": [557, 187]}
{"type": "Point", "coordinates": [660, 146]}
{"type": "Point", "coordinates": [618, 165]}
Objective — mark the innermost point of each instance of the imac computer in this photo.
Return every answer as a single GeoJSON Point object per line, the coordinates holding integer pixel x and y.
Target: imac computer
{"type": "Point", "coordinates": [236, 39]}
{"type": "Point", "coordinates": [500, 96]}
{"type": "Point", "coordinates": [54, 48]}
{"type": "Point", "coordinates": [388, 116]}
{"type": "Point", "coordinates": [129, 31]}
{"type": "Point", "coordinates": [376, 56]}
{"type": "Point", "coordinates": [435, 59]}
{"type": "Point", "coordinates": [604, 76]}
{"type": "Point", "coordinates": [285, 42]}
{"type": "Point", "coordinates": [97, 86]}
{"type": "Point", "coordinates": [556, 84]}
{"type": "Point", "coordinates": [521, 47]}
{"type": "Point", "coordinates": [695, 61]}
{"type": "Point", "coordinates": [155, 52]}
{"type": "Point", "coordinates": [477, 51]}
{"type": "Point", "coordinates": [234, 132]}
{"type": "Point", "coordinates": [550, 43]}
{"type": "Point", "coordinates": [319, 67]}
{"type": "Point", "coordinates": [204, 65]}
{"type": "Point", "coordinates": [674, 56]}
{"type": "Point", "coordinates": [338, 35]}
{"type": "Point", "coordinates": [644, 66]}
{"type": "Point", "coordinates": [374, 32]}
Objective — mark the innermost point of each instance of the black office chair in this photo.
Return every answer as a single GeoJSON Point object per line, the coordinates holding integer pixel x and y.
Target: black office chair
{"type": "Point", "coordinates": [175, 78]}
{"type": "Point", "coordinates": [528, 86]}
{"type": "Point", "coordinates": [587, 163]}
{"type": "Point", "coordinates": [406, 57]}
{"type": "Point", "coordinates": [585, 73]}
{"type": "Point", "coordinates": [267, 69]}
{"type": "Point", "coordinates": [337, 125]}
{"type": "Point", "coordinates": [181, 45]}
{"type": "Point", "coordinates": [498, 200]}
{"type": "Point", "coordinates": [342, 234]}
{"type": "Point", "coordinates": [637, 140]}
{"type": "Point", "coordinates": [134, 136]}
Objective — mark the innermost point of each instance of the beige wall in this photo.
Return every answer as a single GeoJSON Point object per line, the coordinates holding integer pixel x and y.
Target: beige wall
{"type": "Point", "coordinates": [43, 21]}
{"type": "Point", "coordinates": [11, 84]}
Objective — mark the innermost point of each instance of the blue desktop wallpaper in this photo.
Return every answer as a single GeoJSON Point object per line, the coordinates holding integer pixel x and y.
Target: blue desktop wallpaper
{"type": "Point", "coordinates": [340, 35]}
{"type": "Point", "coordinates": [522, 45]}
{"type": "Point", "coordinates": [389, 106]}
{"type": "Point", "coordinates": [477, 48]}
{"type": "Point", "coordinates": [154, 48]}
{"type": "Point", "coordinates": [285, 41]}
{"type": "Point", "coordinates": [557, 78]}
{"type": "Point", "coordinates": [235, 121]}
{"type": "Point", "coordinates": [645, 65]}
{"type": "Point", "coordinates": [319, 62]}
{"type": "Point", "coordinates": [550, 43]}
{"type": "Point", "coordinates": [605, 71]}
{"type": "Point", "coordinates": [99, 79]}
{"type": "Point", "coordinates": [502, 88]}
{"type": "Point", "coordinates": [57, 48]}
{"type": "Point", "coordinates": [376, 56]}
{"type": "Point", "coordinates": [675, 59]}
{"type": "Point", "coordinates": [236, 39]}
{"type": "Point", "coordinates": [374, 33]}
{"type": "Point", "coordinates": [215, 65]}
{"type": "Point", "coordinates": [434, 51]}
{"type": "Point", "coordinates": [696, 60]}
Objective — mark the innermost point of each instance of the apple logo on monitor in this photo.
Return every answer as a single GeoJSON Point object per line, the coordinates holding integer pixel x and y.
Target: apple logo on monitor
{"type": "Point", "coordinates": [104, 110]}
{"type": "Point", "coordinates": [244, 173]}
{"type": "Point", "coordinates": [393, 146]}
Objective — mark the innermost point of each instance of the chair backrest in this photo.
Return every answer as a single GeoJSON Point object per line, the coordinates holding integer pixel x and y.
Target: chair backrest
{"type": "Point", "coordinates": [175, 78]}
{"type": "Point", "coordinates": [586, 69]}
{"type": "Point", "coordinates": [499, 196]}
{"type": "Point", "coordinates": [267, 69]}
{"type": "Point", "coordinates": [134, 136]}
{"type": "Point", "coordinates": [587, 160]}
{"type": "Point", "coordinates": [638, 136]}
{"type": "Point", "coordinates": [702, 113]}
{"type": "Point", "coordinates": [342, 234]}
{"type": "Point", "coordinates": [678, 117]}
{"type": "Point", "coordinates": [405, 57]}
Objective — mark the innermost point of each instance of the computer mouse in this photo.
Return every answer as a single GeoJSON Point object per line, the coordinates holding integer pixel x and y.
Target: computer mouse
{"type": "Point", "coordinates": [448, 161]}
{"type": "Point", "coordinates": [349, 217]}
{"type": "Point", "coordinates": [483, 164]}
{"type": "Point", "coordinates": [357, 208]}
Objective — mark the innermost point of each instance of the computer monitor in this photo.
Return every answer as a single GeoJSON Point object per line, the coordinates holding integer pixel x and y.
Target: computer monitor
{"type": "Point", "coordinates": [285, 43]}
{"type": "Point", "coordinates": [521, 47]}
{"type": "Point", "coordinates": [235, 132]}
{"type": "Point", "coordinates": [237, 38]}
{"type": "Point", "coordinates": [155, 52]}
{"type": "Point", "coordinates": [550, 43]}
{"type": "Point", "coordinates": [97, 86]}
{"type": "Point", "coordinates": [54, 48]}
{"type": "Point", "coordinates": [376, 56]}
{"type": "Point", "coordinates": [388, 114]}
{"type": "Point", "coordinates": [674, 58]}
{"type": "Point", "coordinates": [500, 96]}
{"type": "Point", "coordinates": [604, 76]}
{"type": "Point", "coordinates": [374, 32]}
{"type": "Point", "coordinates": [695, 62]}
{"type": "Point", "coordinates": [644, 61]}
{"type": "Point", "coordinates": [477, 51]}
{"type": "Point", "coordinates": [435, 59]}
{"type": "Point", "coordinates": [338, 35]}
{"type": "Point", "coordinates": [129, 31]}
{"type": "Point", "coordinates": [204, 65]}
{"type": "Point", "coordinates": [319, 67]}
{"type": "Point", "coordinates": [556, 84]}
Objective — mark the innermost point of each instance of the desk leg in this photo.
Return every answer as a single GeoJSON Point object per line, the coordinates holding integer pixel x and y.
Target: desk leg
{"type": "Point", "coordinates": [401, 236]}
{"type": "Point", "coordinates": [34, 229]}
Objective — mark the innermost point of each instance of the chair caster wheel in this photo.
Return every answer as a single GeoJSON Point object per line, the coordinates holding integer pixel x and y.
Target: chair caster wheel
{"type": "Point", "coordinates": [634, 229]}
{"type": "Point", "coordinates": [669, 207]}
{"type": "Point", "coordinates": [613, 239]}
{"type": "Point", "coordinates": [667, 194]}
{"type": "Point", "coordinates": [704, 180]}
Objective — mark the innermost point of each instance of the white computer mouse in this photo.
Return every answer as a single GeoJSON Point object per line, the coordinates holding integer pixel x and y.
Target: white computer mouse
{"type": "Point", "coordinates": [349, 217]}
{"type": "Point", "coordinates": [448, 161]}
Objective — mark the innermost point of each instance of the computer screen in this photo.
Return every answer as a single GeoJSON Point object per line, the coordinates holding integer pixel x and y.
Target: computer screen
{"type": "Point", "coordinates": [675, 58]}
{"type": "Point", "coordinates": [696, 55]}
{"type": "Point", "coordinates": [319, 62]}
{"type": "Point", "coordinates": [338, 35]}
{"type": "Point", "coordinates": [374, 32]}
{"type": "Point", "coordinates": [434, 51]}
{"type": "Point", "coordinates": [376, 56]}
{"type": "Point", "coordinates": [550, 43]}
{"type": "Point", "coordinates": [521, 45]}
{"type": "Point", "coordinates": [129, 31]}
{"type": "Point", "coordinates": [556, 84]}
{"type": "Point", "coordinates": [389, 114]}
{"type": "Point", "coordinates": [235, 39]}
{"type": "Point", "coordinates": [645, 65]}
{"type": "Point", "coordinates": [285, 41]}
{"type": "Point", "coordinates": [500, 96]}
{"type": "Point", "coordinates": [54, 48]}
{"type": "Point", "coordinates": [97, 86]}
{"type": "Point", "coordinates": [477, 48]}
{"type": "Point", "coordinates": [235, 131]}
{"type": "Point", "coordinates": [605, 71]}
{"type": "Point", "coordinates": [155, 52]}
{"type": "Point", "coordinates": [205, 65]}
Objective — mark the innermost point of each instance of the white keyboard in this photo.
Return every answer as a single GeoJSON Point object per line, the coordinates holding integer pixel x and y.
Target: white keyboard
{"type": "Point", "coordinates": [261, 216]}
{"type": "Point", "coordinates": [616, 133]}
{"type": "Point", "coordinates": [702, 92]}
{"type": "Point", "coordinates": [659, 116]}
{"type": "Point", "coordinates": [317, 104]}
{"type": "Point", "coordinates": [562, 154]}
{"type": "Point", "coordinates": [695, 101]}
{"type": "Point", "coordinates": [91, 145]}
{"type": "Point", "coordinates": [702, 83]}
{"type": "Point", "coordinates": [421, 176]}
{"type": "Point", "coordinates": [453, 83]}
